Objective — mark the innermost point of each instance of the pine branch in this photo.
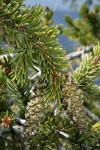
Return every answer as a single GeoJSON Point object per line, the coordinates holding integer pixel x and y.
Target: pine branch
{"type": "Point", "coordinates": [85, 29]}
{"type": "Point", "coordinates": [89, 67]}
{"type": "Point", "coordinates": [37, 45]}
{"type": "Point", "coordinates": [88, 72]}
{"type": "Point", "coordinates": [45, 44]}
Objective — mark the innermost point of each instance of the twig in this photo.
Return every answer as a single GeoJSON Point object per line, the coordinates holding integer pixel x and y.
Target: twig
{"type": "Point", "coordinates": [79, 53]}
{"type": "Point", "coordinates": [91, 115]}
{"type": "Point", "coordinates": [65, 135]}
{"type": "Point", "coordinates": [20, 121]}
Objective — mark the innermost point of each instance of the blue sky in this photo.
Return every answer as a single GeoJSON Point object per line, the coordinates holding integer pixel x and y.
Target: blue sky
{"type": "Point", "coordinates": [54, 4]}
{"type": "Point", "coordinates": [58, 4]}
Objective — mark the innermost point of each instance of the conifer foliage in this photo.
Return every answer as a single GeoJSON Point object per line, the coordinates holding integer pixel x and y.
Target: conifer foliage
{"type": "Point", "coordinates": [85, 29]}
{"type": "Point", "coordinates": [42, 104]}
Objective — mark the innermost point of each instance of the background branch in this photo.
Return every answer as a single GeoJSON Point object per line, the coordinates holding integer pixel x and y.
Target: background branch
{"type": "Point", "coordinates": [91, 115]}
{"type": "Point", "coordinates": [79, 53]}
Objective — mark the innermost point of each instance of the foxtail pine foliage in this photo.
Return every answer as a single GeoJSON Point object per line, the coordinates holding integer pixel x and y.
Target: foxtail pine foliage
{"type": "Point", "coordinates": [86, 28]}
{"type": "Point", "coordinates": [49, 111]}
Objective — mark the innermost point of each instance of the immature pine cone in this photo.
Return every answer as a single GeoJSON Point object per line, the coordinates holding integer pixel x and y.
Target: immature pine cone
{"type": "Point", "coordinates": [73, 103]}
